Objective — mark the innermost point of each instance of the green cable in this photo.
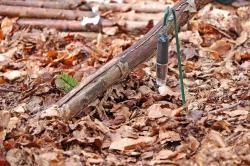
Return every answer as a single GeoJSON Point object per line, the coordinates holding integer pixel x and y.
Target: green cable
{"type": "Point", "coordinates": [183, 96]}
{"type": "Point", "coordinates": [166, 16]}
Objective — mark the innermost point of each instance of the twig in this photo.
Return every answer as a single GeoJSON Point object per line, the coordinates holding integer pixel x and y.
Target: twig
{"type": "Point", "coordinates": [2, 89]}
{"type": "Point", "coordinates": [227, 107]}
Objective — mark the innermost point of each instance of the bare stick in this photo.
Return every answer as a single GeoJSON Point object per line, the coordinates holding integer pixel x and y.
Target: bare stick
{"type": "Point", "coordinates": [3, 89]}
{"type": "Point", "coordinates": [226, 108]}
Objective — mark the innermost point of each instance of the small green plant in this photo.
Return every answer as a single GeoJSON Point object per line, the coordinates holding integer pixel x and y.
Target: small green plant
{"type": "Point", "coordinates": [65, 82]}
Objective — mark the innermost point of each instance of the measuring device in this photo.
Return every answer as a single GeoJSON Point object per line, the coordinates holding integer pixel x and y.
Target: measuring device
{"type": "Point", "coordinates": [162, 53]}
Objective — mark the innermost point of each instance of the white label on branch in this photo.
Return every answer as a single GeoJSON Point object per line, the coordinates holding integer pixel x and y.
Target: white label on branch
{"type": "Point", "coordinates": [93, 20]}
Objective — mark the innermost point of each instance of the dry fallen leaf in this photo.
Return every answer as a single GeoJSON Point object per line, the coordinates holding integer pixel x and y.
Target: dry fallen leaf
{"type": "Point", "coordinates": [242, 56]}
{"type": "Point", "coordinates": [165, 90]}
{"type": "Point", "coordinates": [221, 125]}
{"type": "Point", "coordinates": [242, 38]}
{"type": "Point", "coordinates": [131, 144]}
{"type": "Point", "coordinates": [219, 48]}
{"type": "Point", "coordinates": [156, 111]}
{"type": "Point", "coordinates": [13, 74]}
{"type": "Point", "coordinates": [3, 161]}
{"type": "Point", "coordinates": [214, 138]}
{"type": "Point", "coordinates": [48, 157]}
{"type": "Point", "coordinates": [1, 35]}
{"type": "Point", "coordinates": [189, 52]}
{"type": "Point", "coordinates": [238, 112]}
{"type": "Point", "coordinates": [14, 156]}
{"type": "Point", "coordinates": [52, 111]}
{"type": "Point", "coordinates": [165, 154]}
{"type": "Point", "coordinates": [7, 25]}
{"type": "Point", "coordinates": [20, 108]}
{"type": "Point", "coordinates": [12, 124]}
{"type": "Point", "coordinates": [193, 143]}
{"type": "Point", "coordinates": [5, 118]}
{"type": "Point", "coordinates": [168, 136]}
{"type": "Point", "coordinates": [6, 56]}
{"type": "Point", "coordinates": [52, 54]}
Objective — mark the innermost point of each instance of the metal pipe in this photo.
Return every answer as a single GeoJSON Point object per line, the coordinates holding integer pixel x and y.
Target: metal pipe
{"type": "Point", "coordinates": [162, 59]}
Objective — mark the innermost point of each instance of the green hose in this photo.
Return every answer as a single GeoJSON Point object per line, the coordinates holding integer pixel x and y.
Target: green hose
{"type": "Point", "coordinates": [176, 29]}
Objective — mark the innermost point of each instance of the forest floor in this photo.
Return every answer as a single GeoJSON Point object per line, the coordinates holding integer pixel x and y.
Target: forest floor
{"type": "Point", "coordinates": [132, 123]}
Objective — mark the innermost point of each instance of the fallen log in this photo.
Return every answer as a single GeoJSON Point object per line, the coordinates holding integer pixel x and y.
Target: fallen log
{"type": "Point", "coordinates": [34, 12]}
{"type": "Point", "coordinates": [64, 25]}
{"type": "Point", "coordinates": [88, 35]}
{"type": "Point", "coordinates": [76, 26]}
{"type": "Point", "coordinates": [43, 4]}
{"type": "Point", "coordinates": [114, 71]}
{"type": "Point", "coordinates": [146, 7]}
{"type": "Point", "coordinates": [131, 16]}
{"type": "Point", "coordinates": [130, 26]}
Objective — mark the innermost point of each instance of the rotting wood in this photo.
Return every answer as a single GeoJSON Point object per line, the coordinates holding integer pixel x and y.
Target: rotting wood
{"type": "Point", "coordinates": [33, 12]}
{"type": "Point", "coordinates": [114, 71]}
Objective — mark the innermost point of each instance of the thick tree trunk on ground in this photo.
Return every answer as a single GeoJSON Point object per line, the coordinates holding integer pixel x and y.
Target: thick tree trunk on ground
{"type": "Point", "coordinates": [123, 7]}
{"type": "Point", "coordinates": [64, 25]}
{"type": "Point", "coordinates": [76, 26]}
{"type": "Point", "coordinates": [32, 12]}
{"type": "Point", "coordinates": [43, 4]}
{"type": "Point", "coordinates": [114, 71]}
{"type": "Point", "coordinates": [81, 4]}
{"type": "Point", "coordinates": [140, 16]}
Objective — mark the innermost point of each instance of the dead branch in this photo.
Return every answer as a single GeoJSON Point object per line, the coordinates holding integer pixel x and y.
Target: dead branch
{"type": "Point", "coordinates": [134, 25]}
{"type": "Point", "coordinates": [145, 7]}
{"type": "Point", "coordinates": [140, 16]}
{"type": "Point", "coordinates": [64, 25]}
{"type": "Point", "coordinates": [123, 7]}
{"type": "Point", "coordinates": [43, 4]}
{"type": "Point", "coordinates": [76, 26]}
{"type": "Point", "coordinates": [114, 71]}
{"type": "Point", "coordinates": [88, 35]}
{"type": "Point", "coordinates": [149, 7]}
{"type": "Point", "coordinates": [33, 12]}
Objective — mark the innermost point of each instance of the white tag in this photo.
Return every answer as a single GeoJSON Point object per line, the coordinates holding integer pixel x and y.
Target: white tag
{"type": "Point", "coordinates": [94, 20]}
